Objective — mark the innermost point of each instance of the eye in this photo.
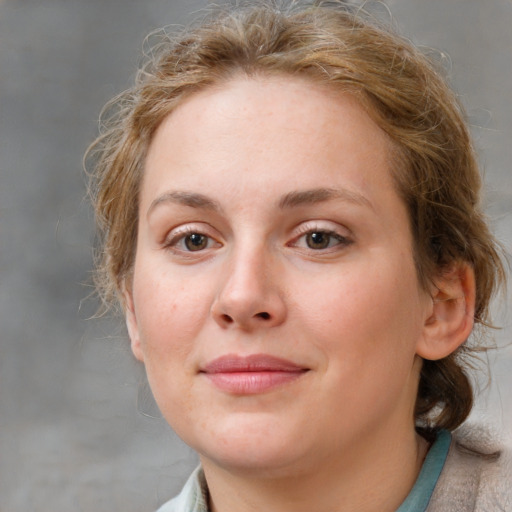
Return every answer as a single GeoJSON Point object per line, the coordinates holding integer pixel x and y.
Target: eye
{"type": "Point", "coordinates": [318, 239]}
{"type": "Point", "coordinates": [189, 240]}
{"type": "Point", "coordinates": [195, 241]}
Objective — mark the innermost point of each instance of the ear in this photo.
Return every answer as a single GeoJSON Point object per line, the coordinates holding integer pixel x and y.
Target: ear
{"type": "Point", "coordinates": [450, 318]}
{"type": "Point", "coordinates": [131, 323]}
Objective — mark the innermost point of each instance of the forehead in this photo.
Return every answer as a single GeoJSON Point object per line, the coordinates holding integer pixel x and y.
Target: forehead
{"type": "Point", "coordinates": [289, 125]}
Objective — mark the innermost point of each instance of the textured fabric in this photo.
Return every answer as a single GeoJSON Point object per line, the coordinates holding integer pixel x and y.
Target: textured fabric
{"type": "Point", "coordinates": [476, 477]}
{"type": "Point", "coordinates": [420, 495]}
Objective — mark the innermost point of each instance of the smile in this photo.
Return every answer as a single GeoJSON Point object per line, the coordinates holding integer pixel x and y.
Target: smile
{"type": "Point", "coordinates": [251, 374]}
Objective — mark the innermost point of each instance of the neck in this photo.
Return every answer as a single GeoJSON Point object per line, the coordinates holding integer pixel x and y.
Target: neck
{"type": "Point", "coordinates": [373, 475]}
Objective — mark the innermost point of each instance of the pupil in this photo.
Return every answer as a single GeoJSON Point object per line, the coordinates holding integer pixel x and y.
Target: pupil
{"type": "Point", "coordinates": [318, 240]}
{"type": "Point", "coordinates": [195, 241]}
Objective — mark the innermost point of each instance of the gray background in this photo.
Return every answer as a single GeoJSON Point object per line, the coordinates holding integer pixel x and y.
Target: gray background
{"type": "Point", "coordinates": [78, 429]}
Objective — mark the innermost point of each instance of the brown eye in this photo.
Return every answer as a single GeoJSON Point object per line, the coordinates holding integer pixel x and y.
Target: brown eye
{"type": "Point", "coordinates": [196, 242]}
{"type": "Point", "coordinates": [318, 240]}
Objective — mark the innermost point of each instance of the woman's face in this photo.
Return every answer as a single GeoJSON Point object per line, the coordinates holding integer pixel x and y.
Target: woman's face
{"type": "Point", "coordinates": [275, 301]}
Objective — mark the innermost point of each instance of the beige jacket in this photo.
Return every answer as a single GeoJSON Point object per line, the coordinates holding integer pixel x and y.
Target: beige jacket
{"type": "Point", "coordinates": [477, 475]}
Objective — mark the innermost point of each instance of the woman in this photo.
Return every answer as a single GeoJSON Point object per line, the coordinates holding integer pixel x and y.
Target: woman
{"type": "Point", "coordinates": [289, 206]}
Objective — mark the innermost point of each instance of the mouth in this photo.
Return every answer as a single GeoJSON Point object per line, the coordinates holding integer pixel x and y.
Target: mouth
{"type": "Point", "coordinates": [252, 374]}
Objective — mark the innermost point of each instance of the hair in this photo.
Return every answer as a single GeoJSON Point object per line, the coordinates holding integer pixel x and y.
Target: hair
{"type": "Point", "coordinates": [331, 43]}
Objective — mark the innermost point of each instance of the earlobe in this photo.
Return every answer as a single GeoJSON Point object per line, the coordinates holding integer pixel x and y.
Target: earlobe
{"type": "Point", "coordinates": [451, 316]}
{"type": "Point", "coordinates": [131, 324]}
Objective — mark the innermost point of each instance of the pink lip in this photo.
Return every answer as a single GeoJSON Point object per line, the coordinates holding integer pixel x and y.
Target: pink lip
{"type": "Point", "coordinates": [251, 374]}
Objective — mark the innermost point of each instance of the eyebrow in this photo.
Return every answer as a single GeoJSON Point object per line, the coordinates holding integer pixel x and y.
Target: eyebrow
{"type": "Point", "coordinates": [291, 200]}
{"type": "Point", "coordinates": [319, 195]}
{"type": "Point", "coordinates": [192, 199]}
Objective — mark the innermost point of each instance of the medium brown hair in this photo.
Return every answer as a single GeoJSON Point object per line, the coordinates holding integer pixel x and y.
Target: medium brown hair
{"type": "Point", "coordinates": [435, 166]}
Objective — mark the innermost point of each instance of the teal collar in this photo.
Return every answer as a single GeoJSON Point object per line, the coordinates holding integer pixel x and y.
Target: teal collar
{"type": "Point", "coordinates": [420, 495]}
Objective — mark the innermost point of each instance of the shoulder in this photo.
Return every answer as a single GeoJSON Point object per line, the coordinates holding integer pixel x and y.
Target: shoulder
{"type": "Point", "coordinates": [192, 498]}
{"type": "Point", "coordinates": [477, 473]}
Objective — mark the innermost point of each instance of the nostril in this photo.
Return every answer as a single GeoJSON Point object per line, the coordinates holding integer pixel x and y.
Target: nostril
{"type": "Point", "coordinates": [264, 315]}
{"type": "Point", "coordinates": [227, 319]}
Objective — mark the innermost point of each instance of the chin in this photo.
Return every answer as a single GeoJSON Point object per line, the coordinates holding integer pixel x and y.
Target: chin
{"type": "Point", "coordinates": [254, 462]}
{"type": "Point", "coordinates": [251, 446]}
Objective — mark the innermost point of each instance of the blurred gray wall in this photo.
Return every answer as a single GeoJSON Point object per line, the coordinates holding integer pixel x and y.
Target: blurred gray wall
{"type": "Point", "coordinates": [78, 429]}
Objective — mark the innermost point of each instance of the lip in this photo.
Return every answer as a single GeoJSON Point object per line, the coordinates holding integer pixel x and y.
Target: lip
{"type": "Point", "coordinates": [253, 374]}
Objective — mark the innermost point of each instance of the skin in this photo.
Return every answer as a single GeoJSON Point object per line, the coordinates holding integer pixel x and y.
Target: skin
{"type": "Point", "coordinates": [341, 436]}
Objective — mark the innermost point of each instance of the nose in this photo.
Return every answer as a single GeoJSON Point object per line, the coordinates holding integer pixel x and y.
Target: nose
{"type": "Point", "coordinates": [249, 296]}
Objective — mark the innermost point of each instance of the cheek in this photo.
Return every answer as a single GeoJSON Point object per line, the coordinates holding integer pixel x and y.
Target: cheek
{"type": "Point", "coordinates": [369, 313]}
{"type": "Point", "coordinates": [170, 311]}
{"type": "Point", "coordinates": [170, 314]}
